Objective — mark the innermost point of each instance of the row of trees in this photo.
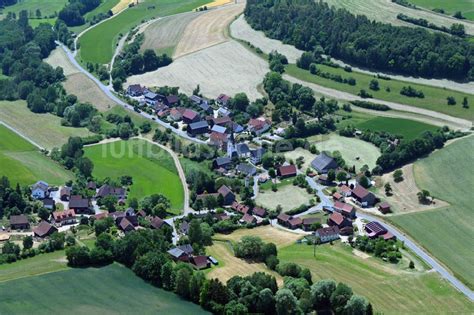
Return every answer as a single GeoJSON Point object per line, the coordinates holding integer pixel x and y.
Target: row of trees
{"type": "Point", "coordinates": [73, 13]}
{"type": "Point", "coordinates": [315, 26]}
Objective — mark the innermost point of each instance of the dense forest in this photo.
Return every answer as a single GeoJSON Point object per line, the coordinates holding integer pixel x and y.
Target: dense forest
{"type": "Point", "coordinates": [316, 27]}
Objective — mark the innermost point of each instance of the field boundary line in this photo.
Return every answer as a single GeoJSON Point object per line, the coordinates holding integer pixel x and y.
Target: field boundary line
{"type": "Point", "coordinates": [36, 275]}
{"type": "Point", "coordinates": [22, 135]}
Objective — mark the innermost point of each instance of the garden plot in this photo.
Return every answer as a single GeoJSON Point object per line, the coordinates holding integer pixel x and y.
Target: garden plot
{"type": "Point", "coordinates": [225, 68]}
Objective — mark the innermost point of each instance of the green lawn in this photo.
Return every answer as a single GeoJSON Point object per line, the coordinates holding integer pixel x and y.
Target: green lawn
{"type": "Point", "coordinates": [391, 289]}
{"type": "Point", "coordinates": [47, 7]}
{"type": "Point", "coordinates": [104, 7]}
{"type": "Point", "coordinates": [22, 163]}
{"type": "Point", "coordinates": [450, 7]}
{"type": "Point", "coordinates": [435, 98]}
{"type": "Point", "coordinates": [408, 129]}
{"type": "Point", "coordinates": [447, 233]}
{"type": "Point", "coordinates": [109, 290]}
{"type": "Point", "coordinates": [107, 33]}
{"type": "Point", "coordinates": [152, 169]}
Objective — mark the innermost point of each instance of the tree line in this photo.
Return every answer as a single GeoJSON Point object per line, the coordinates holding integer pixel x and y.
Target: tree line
{"type": "Point", "coordinates": [73, 13]}
{"type": "Point", "coordinates": [315, 26]}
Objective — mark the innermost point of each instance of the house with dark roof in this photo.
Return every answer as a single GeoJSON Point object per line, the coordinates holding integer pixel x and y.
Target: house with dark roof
{"type": "Point", "coordinates": [221, 216]}
{"type": "Point", "coordinates": [374, 229]}
{"type": "Point", "coordinates": [258, 125]}
{"type": "Point", "coordinates": [184, 227]}
{"type": "Point", "coordinates": [19, 222]}
{"type": "Point", "coordinates": [187, 249]}
{"type": "Point", "coordinates": [44, 229]}
{"type": "Point", "coordinates": [125, 225]}
{"type": "Point", "coordinates": [364, 197]}
{"type": "Point", "coordinates": [223, 100]}
{"type": "Point", "coordinates": [345, 209]}
{"type": "Point", "coordinates": [40, 190]}
{"type": "Point", "coordinates": [308, 223]}
{"type": "Point", "coordinates": [323, 163]}
{"type": "Point", "coordinates": [384, 207]}
{"type": "Point", "coordinates": [200, 262]}
{"type": "Point", "coordinates": [222, 162]}
{"type": "Point", "coordinates": [242, 150]}
{"type": "Point", "coordinates": [157, 223]}
{"type": "Point", "coordinates": [223, 121]}
{"type": "Point", "coordinates": [153, 98]}
{"type": "Point", "coordinates": [64, 217]}
{"type": "Point", "coordinates": [283, 219]}
{"type": "Point", "coordinates": [256, 155]}
{"type": "Point", "coordinates": [295, 223]}
{"type": "Point", "coordinates": [219, 140]}
{"type": "Point", "coordinates": [171, 100]}
{"type": "Point", "coordinates": [80, 205]}
{"type": "Point", "coordinates": [227, 194]}
{"type": "Point", "coordinates": [65, 193]}
{"type": "Point", "coordinates": [287, 171]}
{"type": "Point", "coordinates": [327, 234]}
{"type": "Point", "coordinates": [219, 129]}
{"type": "Point", "coordinates": [190, 116]}
{"type": "Point", "coordinates": [178, 254]}
{"type": "Point", "coordinates": [246, 169]}
{"type": "Point", "coordinates": [198, 128]}
{"type": "Point", "coordinates": [240, 207]}
{"type": "Point", "coordinates": [260, 212]}
{"type": "Point", "coordinates": [108, 190]}
{"type": "Point", "coordinates": [248, 219]}
{"type": "Point", "coordinates": [337, 219]}
{"type": "Point", "coordinates": [91, 185]}
{"type": "Point", "coordinates": [48, 203]}
{"type": "Point", "coordinates": [135, 90]}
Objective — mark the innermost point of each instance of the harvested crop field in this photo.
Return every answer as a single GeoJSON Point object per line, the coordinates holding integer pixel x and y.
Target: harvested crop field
{"type": "Point", "coordinates": [217, 3]}
{"type": "Point", "coordinates": [58, 58]}
{"type": "Point", "coordinates": [164, 34]}
{"type": "Point", "coordinates": [385, 11]}
{"type": "Point", "coordinates": [225, 68]}
{"type": "Point", "coordinates": [240, 29]}
{"type": "Point", "coordinates": [207, 30]}
{"type": "Point", "coordinates": [87, 91]}
{"type": "Point", "coordinates": [121, 5]}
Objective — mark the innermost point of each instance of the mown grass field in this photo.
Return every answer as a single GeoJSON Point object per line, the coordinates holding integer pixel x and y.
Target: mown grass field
{"type": "Point", "coordinates": [152, 169]}
{"type": "Point", "coordinates": [109, 290]}
{"type": "Point", "coordinates": [447, 233]}
{"type": "Point", "coordinates": [391, 289]}
{"type": "Point", "coordinates": [22, 163]}
{"type": "Point", "coordinates": [108, 32]}
{"type": "Point", "coordinates": [44, 129]}
{"type": "Point", "coordinates": [450, 7]}
{"type": "Point", "coordinates": [408, 129]}
{"type": "Point", "coordinates": [287, 196]}
{"type": "Point", "coordinates": [435, 98]}
{"type": "Point", "coordinates": [350, 149]}
{"type": "Point", "coordinates": [47, 7]}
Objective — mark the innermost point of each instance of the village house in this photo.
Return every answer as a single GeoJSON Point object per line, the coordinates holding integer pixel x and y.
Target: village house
{"type": "Point", "coordinates": [337, 196]}
{"type": "Point", "coordinates": [227, 194]}
{"type": "Point", "coordinates": [240, 207]}
{"type": "Point", "coordinates": [222, 162]}
{"type": "Point", "coordinates": [384, 207]}
{"type": "Point", "coordinates": [248, 219]}
{"type": "Point", "coordinates": [178, 254]}
{"type": "Point", "coordinates": [197, 128]}
{"type": "Point", "coordinates": [65, 217]}
{"type": "Point", "coordinates": [108, 190]}
{"type": "Point", "coordinates": [223, 100]}
{"type": "Point", "coordinates": [345, 209]}
{"type": "Point", "coordinates": [260, 212]}
{"type": "Point", "coordinates": [158, 223]}
{"type": "Point", "coordinates": [219, 129]}
{"type": "Point", "coordinates": [19, 222]}
{"type": "Point", "coordinates": [223, 121]}
{"type": "Point", "coordinates": [49, 203]}
{"type": "Point", "coordinates": [345, 191]}
{"type": "Point", "coordinates": [327, 234]}
{"type": "Point", "coordinates": [135, 90]}
{"type": "Point", "coordinates": [219, 140]}
{"type": "Point", "coordinates": [44, 229]}
{"type": "Point", "coordinates": [256, 155]}
{"type": "Point", "coordinates": [79, 204]}
{"type": "Point", "coordinates": [242, 150]}
{"type": "Point", "coordinates": [287, 171]}
{"type": "Point", "coordinates": [40, 190]}
{"type": "Point", "coordinates": [184, 227]}
{"type": "Point", "coordinates": [308, 223]}
{"type": "Point", "coordinates": [374, 229]}
{"type": "Point", "coordinates": [246, 169]}
{"type": "Point", "coordinates": [283, 219]}
{"type": "Point", "coordinates": [337, 219]}
{"type": "Point", "coordinates": [190, 116]}
{"type": "Point", "coordinates": [323, 179]}
{"type": "Point", "coordinates": [171, 100]}
{"type": "Point", "coordinates": [175, 114]}
{"type": "Point", "coordinates": [126, 225]}
{"type": "Point", "coordinates": [364, 197]}
{"type": "Point", "coordinates": [200, 262]}
{"type": "Point", "coordinates": [323, 163]}
{"type": "Point", "coordinates": [102, 215]}
{"type": "Point", "coordinates": [65, 193]}
{"type": "Point", "coordinates": [221, 216]}
{"type": "Point", "coordinates": [295, 222]}
{"type": "Point", "coordinates": [187, 249]}
{"type": "Point", "coordinates": [91, 185]}
{"type": "Point", "coordinates": [258, 125]}
{"type": "Point", "coordinates": [153, 98]}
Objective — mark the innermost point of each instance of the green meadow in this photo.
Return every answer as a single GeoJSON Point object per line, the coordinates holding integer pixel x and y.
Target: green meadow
{"type": "Point", "coordinates": [152, 169]}
{"type": "Point", "coordinates": [108, 33]}
{"type": "Point", "coordinates": [22, 163]}
{"type": "Point", "coordinates": [447, 232]}
{"type": "Point", "coordinates": [450, 7]}
{"type": "Point", "coordinates": [435, 98]}
{"type": "Point", "coordinates": [104, 7]}
{"type": "Point", "coordinates": [109, 290]}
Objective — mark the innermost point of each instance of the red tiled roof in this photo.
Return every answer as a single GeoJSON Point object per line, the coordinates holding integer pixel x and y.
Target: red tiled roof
{"type": "Point", "coordinates": [259, 211]}
{"type": "Point", "coordinates": [199, 261]}
{"type": "Point", "coordinates": [287, 170]}
{"type": "Point", "coordinates": [360, 191]}
{"type": "Point", "coordinates": [248, 218]}
{"type": "Point", "coordinates": [295, 221]}
{"type": "Point", "coordinates": [344, 207]}
{"type": "Point", "coordinates": [189, 114]}
{"type": "Point", "coordinates": [218, 137]}
{"type": "Point", "coordinates": [239, 207]}
{"type": "Point", "coordinates": [224, 190]}
{"type": "Point", "coordinates": [336, 217]}
{"type": "Point", "coordinates": [384, 205]}
{"type": "Point", "coordinates": [283, 217]}
{"type": "Point", "coordinates": [62, 215]}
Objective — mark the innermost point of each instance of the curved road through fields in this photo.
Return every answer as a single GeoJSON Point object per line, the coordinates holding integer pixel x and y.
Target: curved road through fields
{"type": "Point", "coordinates": [326, 202]}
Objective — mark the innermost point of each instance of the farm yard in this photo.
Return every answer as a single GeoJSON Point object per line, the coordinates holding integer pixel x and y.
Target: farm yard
{"type": "Point", "coordinates": [96, 296]}
{"type": "Point", "coordinates": [435, 98]}
{"type": "Point", "coordinates": [354, 151]}
{"type": "Point", "coordinates": [240, 29]}
{"type": "Point", "coordinates": [44, 129]}
{"type": "Point", "coordinates": [447, 174]}
{"type": "Point", "coordinates": [108, 33]}
{"type": "Point", "coordinates": [386, 11]}
{"type": "Point", "coordinates": [391, 289]}
{"type": "Point", "coordinates": [164, 34]}
{"type": "Point", "coordinates": [152, 169]}
{"type": "Point", "coordinates": [450, 7]}
{"type": "Point", "coordinates": [207, 30]}
{"type": "Point", "coordinates": [22, 163]}
{"type": "Point", "coordinates": [287, 196]}
{"type": "Point", "coordinates": [225, 68]}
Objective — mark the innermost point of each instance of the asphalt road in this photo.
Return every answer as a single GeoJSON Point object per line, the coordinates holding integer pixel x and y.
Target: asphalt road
{"type": "Point", "coordinates": [118, 101]}
{"type": "Point", "coordinates": [326, 201]}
